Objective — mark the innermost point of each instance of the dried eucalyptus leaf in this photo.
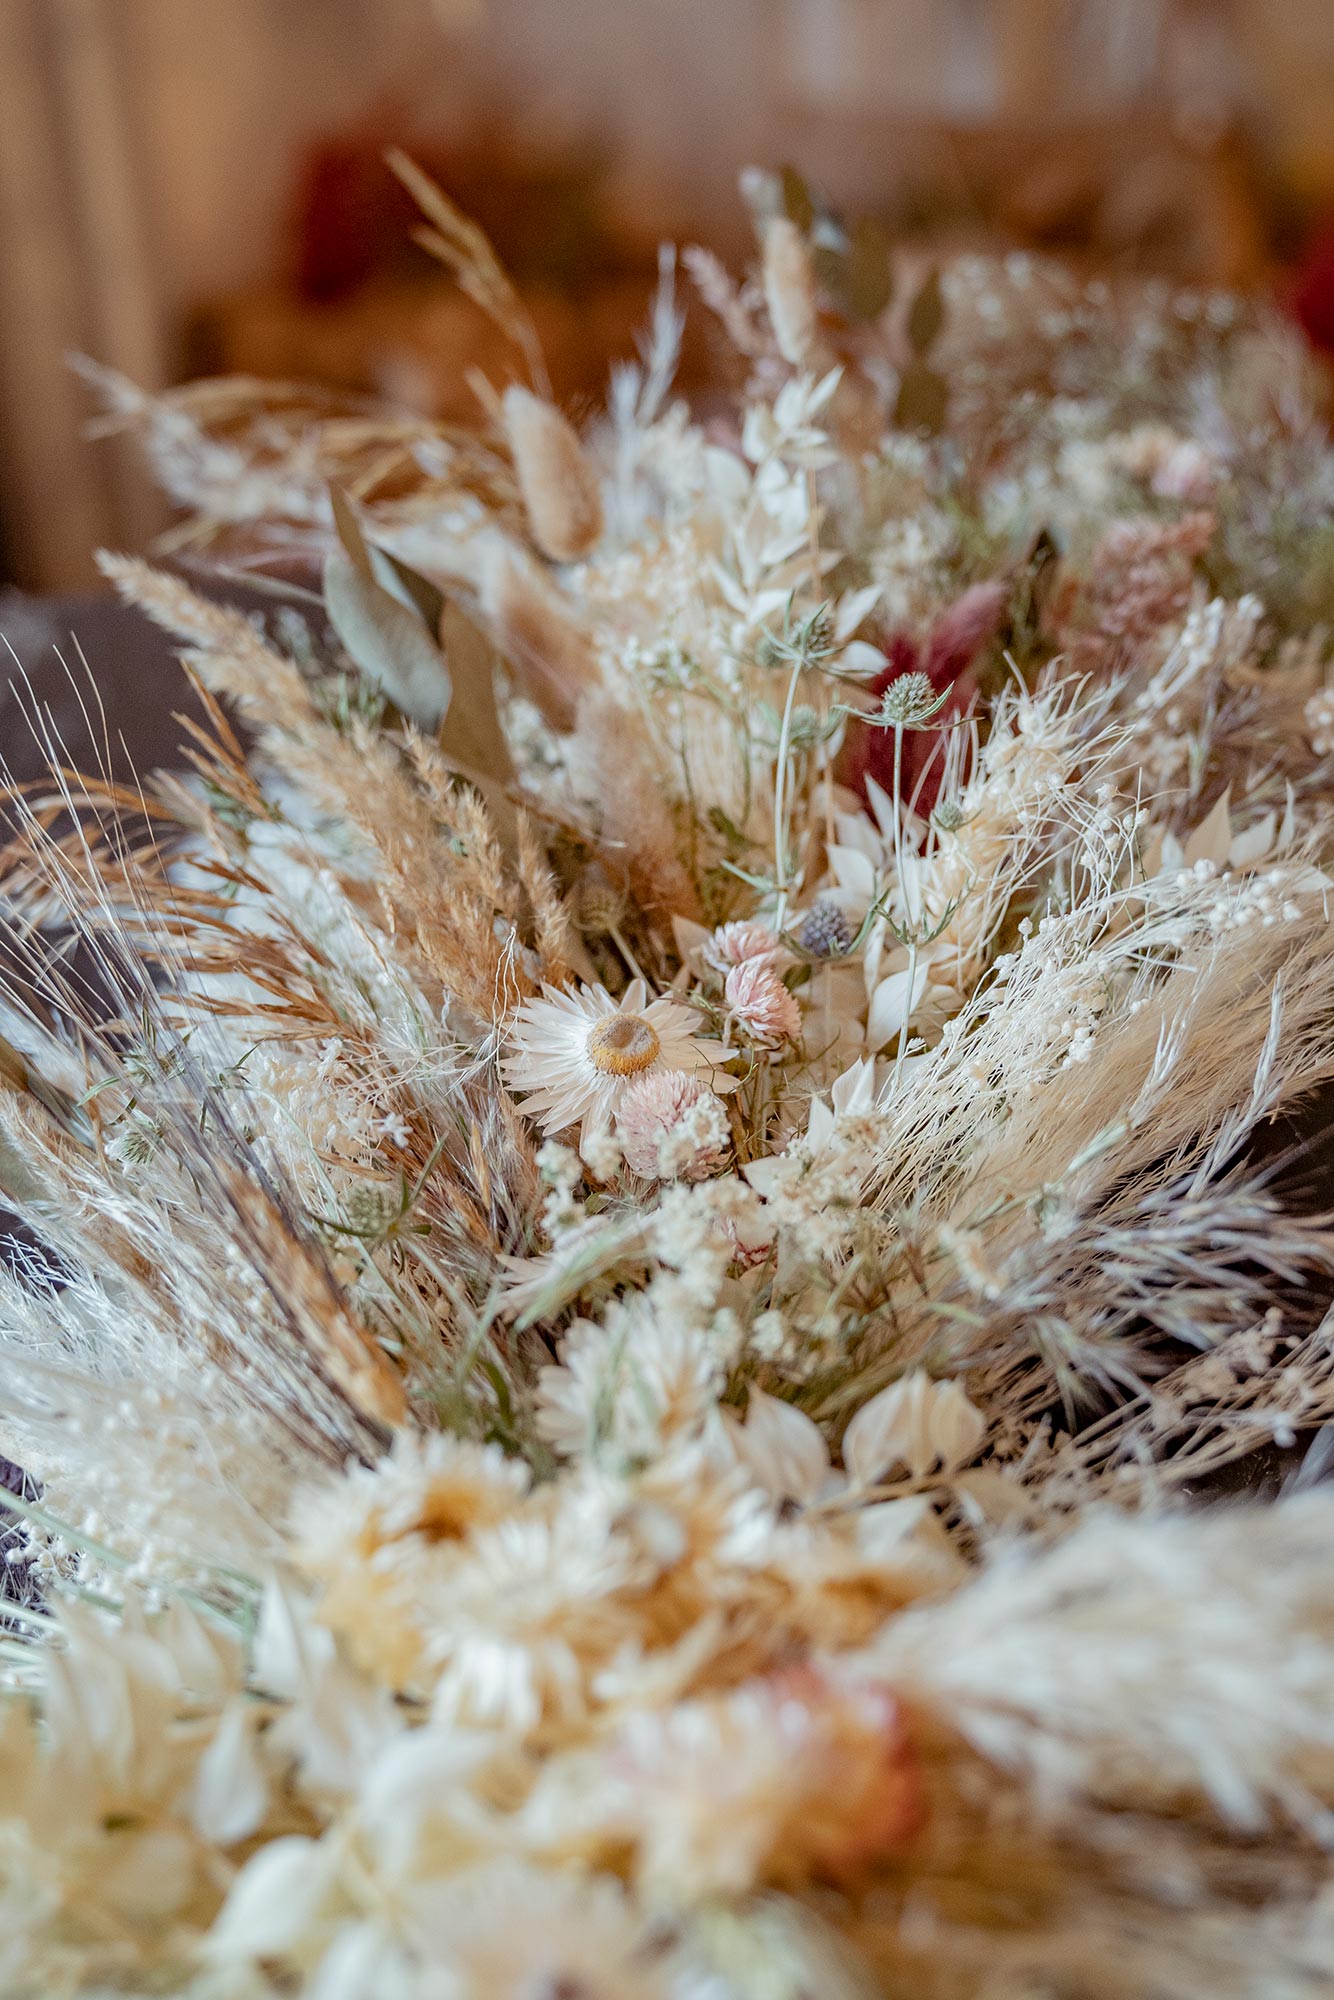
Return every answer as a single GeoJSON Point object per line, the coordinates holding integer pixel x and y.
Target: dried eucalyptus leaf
{"type": "Point", "coordinates": [923, 396]}
{"type": "Point", "coordinates": [425, 597]}
{"type": "Point", "coordinates": [797, 203]}
{"type": "Point", "coordinates": [926, 314]}
{"type": "Point", "coordinates": [18, 1184]}
{"type": "Point", "coordinates": [867, 275]}
{"type": "Point", "coordinates": [471, 734]}
{"type": "Point", "coordinates": [387, 642]}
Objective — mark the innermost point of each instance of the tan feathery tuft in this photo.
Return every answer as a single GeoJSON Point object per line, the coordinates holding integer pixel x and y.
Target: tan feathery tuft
{"type": "Point", "coordinates": [559, 485]}
{"type": "Point", "coordinates": [789, 291]}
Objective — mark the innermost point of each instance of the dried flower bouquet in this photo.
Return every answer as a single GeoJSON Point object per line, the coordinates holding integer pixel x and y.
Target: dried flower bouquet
{"type": "Point", "coordinates": [648, 1206]}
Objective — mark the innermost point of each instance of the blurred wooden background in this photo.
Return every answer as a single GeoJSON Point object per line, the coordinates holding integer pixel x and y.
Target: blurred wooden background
{"type": "Point", "coordinates": [152, 153]}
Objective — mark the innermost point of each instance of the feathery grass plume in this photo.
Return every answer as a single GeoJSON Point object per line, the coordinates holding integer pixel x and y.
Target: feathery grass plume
{"type": "Point", "coordinates": [560, 490]}
{"type": "Point", "coordinates": [611, 1325]}
{"type": "Point", "coordinates": [789, 291]}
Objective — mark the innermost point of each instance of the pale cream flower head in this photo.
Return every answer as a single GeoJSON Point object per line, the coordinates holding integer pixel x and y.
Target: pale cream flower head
{"type": "Point", "coordinates": [573, 1053]}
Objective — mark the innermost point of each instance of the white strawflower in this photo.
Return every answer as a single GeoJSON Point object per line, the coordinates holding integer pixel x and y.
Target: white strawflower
{"type": "Point", "coordinates": [671, 1126]}
{"type": "Point", "coordinates": [574, 1053]}
{"type": "Point", "coordinates": [761, 1004]}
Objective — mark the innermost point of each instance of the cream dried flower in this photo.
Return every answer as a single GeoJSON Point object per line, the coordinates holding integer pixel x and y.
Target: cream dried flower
{"type": "Point", "coordinates": [558, 483]}
{"type": "Point", "coordinates": [797, 1772]}
{"type": "Point", "coordinates": [671, 1126]}
{"type": "Point", "coordinates": [573, 1054]}
{"type": "Point", "coordinates": [761, 1005]}
{"type": "Point", "coordinates": [732, 944]}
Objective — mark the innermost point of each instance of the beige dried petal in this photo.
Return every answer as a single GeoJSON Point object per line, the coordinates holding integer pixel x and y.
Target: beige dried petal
{"type": "Point", "coordinates": [231, 1794]}
{"type": "Point", "coordinates": [916, 1424]}
{"type": "Point", "coordinates": [781, 1448]}
{"type": "Point", "coordinates": [559, 485]}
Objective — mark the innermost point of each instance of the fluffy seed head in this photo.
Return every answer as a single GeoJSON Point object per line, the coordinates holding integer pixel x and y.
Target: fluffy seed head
{"type": "Point", "coordinates": [789, 290]}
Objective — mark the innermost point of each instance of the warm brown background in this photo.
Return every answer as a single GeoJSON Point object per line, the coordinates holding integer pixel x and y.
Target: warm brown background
{"type": "Point", "coordinates": [153, 155]}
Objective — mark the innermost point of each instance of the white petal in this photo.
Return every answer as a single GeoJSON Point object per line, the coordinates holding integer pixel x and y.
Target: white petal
{"type": "Point", "coordinates": [853, 871]}
{"type": "Point", "coordinates": [917, 1424]}
{"type": "Point", "coordinates": [231, 1794]}
{"type": "Point", "coordinates": [1213, 836]}
{"type": "Point", "coordinates": [763, 1175]}
{"type": "Point", "coordinates": [892, 1005]}
{"type": "Point", "coordinates": [276, 1898]}
{"type": "Point", "coordinates": [782, 1448]}
{"type": "Point", "coordinates": [1255, 842]}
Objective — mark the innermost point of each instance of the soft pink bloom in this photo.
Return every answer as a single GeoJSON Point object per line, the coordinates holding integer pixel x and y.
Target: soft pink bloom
{"type": "Point", "coordinates": [761, 1005]}
{"type": "Point", "coordinates": [734, 944]}
{"type": "Point", "coordinates": [671, 1126]}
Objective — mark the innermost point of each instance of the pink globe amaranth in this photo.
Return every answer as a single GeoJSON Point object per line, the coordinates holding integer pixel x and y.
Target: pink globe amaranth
{"type": "Point", "coordinates": [761, 1005]}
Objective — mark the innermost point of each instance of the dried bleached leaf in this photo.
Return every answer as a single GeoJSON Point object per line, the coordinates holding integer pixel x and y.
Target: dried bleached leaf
{"type": "Point", "coordinates": [916, 1425]}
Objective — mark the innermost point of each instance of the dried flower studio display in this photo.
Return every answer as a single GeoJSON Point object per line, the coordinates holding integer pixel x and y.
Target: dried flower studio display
{"type": "Point", "coordinates": [646, 1204]}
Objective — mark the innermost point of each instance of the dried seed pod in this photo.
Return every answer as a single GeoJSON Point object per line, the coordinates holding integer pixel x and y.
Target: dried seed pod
{"type": "Point", "coordinates": [599, 904]}
{"type": "Point", "coordinates": [559, 485]}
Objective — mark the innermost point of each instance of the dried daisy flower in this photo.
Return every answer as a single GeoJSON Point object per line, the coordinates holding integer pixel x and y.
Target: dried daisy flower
{"type": "Point", "coordinates": [732, 944]}
{"type": "Point", "coordinates": [761, 1005]}
{"type": "Point", "coordinates": [671, 1126]}
{"type": "Point", "coordinates": [573, 1054]}
{"type": "Point", "coordinates": [558, 483]}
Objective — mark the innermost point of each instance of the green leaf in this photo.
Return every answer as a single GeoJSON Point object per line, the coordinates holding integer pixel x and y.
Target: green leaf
{"type": "Point", "coordinates": [414, 591]}
{"type": "Point", "coordinates": [797, 203]}
{"type": "Point", "coordinates": [386, 641]}
{"type": "Point", "coordinates": [923, 396]}
{"type": "Point", "coordinates": [926, 314]}
{"type": "Point", "coordinates": [471, 734]}
{"type": "Point", "coordinates": [868, 278]}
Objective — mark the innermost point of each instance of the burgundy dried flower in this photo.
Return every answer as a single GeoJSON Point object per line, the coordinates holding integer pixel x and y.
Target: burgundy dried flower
{"type": "Point", "coordinates": [958, 638]}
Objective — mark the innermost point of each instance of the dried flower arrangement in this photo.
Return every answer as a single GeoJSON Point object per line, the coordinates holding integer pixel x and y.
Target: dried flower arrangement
{"type": "Point", "coordinates": [646, 1208]}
